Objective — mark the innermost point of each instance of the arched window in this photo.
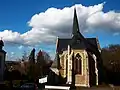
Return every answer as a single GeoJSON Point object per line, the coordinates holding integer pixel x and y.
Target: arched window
{"type": "Point", "coordinates": [78, 64]}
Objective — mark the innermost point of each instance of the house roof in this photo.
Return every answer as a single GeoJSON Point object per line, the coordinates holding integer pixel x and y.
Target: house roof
{"type": "Point", "coordinates": [55, 70]}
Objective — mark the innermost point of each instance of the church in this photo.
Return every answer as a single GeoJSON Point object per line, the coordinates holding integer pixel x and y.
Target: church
{"type": "Point", "coordinates": [79, 59]}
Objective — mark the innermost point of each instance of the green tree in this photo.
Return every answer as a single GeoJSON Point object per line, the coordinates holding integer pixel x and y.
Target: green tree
{"type": "Point", "coordinates": [24, 56]}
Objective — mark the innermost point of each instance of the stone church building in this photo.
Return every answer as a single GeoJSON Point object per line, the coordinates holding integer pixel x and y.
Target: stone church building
{"type": "Point", "coordinates": [78, 58]}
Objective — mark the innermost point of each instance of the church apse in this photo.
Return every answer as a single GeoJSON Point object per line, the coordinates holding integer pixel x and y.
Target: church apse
{"type": "Point", "coordinates": [79, 58]}
{"type": "Point", "coordinates": [81, 71]}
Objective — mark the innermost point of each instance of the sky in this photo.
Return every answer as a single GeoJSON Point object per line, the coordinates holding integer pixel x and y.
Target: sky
{"type": "Point", "coordinates": [27, 24]}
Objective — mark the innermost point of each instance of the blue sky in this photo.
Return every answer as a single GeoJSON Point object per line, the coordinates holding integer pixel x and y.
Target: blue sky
{"type": "Point", "coordinates": [25, 24]}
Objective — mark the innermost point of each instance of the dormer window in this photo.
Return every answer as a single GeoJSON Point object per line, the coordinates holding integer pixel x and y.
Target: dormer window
{"type": "Point", "coordinates": [78, 40]}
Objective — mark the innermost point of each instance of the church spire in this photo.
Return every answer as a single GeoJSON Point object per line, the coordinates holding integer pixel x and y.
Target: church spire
{"type": "Point", "coordinates": [75, 24]}
{"type": "Point", "coordinates": [76, 35]}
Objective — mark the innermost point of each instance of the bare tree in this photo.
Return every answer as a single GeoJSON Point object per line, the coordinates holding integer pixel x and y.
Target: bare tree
{"type": "Point", "coordinates": [24, 56]}
{"type": "Point", "coordinates": [111, 61]}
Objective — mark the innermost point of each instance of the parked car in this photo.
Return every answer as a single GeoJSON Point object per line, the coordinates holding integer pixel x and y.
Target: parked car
{"type": "Point", "coordinates": [29, 86]}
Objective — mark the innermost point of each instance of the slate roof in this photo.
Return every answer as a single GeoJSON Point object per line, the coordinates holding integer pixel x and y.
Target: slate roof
{"type": "Point", "coordinates": [63, 44]}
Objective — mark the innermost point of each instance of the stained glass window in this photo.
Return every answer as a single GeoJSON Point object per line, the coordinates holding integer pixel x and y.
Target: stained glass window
{"type": "Point", "coordinates": [78, 64]}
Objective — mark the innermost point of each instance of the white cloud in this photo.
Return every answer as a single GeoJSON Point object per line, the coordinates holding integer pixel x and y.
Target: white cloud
{"type": "Point", "coordinates": [109, 21]}
{"type": "Point", "coordinates": [12, 53]}
{"type": "Point", "coordinates": [116, 34]}
{"type": "Point", "coordinates": [30, 47]}
{"type": "Point", "coordinates": [46, 26]}
{"type": "Point", "coordinates": [20, 47]}
{"type": "Point", "coordinates": [10, 36]}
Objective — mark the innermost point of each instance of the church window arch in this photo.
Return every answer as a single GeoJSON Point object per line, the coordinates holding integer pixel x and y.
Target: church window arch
{"type": "Point", "coordinates": [78, 64]}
